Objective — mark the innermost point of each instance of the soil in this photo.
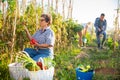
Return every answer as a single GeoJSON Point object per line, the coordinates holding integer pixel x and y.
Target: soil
{"type": "Point", "coordinates": [82, 55]}
{"type": "Point", "coordinates": [106, 71]}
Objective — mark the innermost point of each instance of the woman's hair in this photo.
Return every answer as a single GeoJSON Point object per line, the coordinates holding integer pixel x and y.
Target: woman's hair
{"type": "Point", "coordinates": [48, 18]}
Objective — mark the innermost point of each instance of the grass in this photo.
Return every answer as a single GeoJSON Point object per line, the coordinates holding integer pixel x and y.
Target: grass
{"type": "Point", "coordinates": [66, 63]}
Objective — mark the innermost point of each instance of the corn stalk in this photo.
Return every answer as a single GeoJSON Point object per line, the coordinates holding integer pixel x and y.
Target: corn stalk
{"type": "Point", "coordinates": [116, 32]}
{"type": "Point", "coordinates": [14, 34]}
{"type": "Point", "coordinates": [0, 4]}
{"type": "Point", "coordinates": [4, 4]}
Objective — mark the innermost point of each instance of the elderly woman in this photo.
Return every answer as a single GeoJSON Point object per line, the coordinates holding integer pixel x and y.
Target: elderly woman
{"type": "Point", "coordinates": [43, 40]}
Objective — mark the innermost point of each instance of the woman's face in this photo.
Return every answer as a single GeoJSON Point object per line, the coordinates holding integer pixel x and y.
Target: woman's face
{"type": "Point", "coordinates": [43, 23]}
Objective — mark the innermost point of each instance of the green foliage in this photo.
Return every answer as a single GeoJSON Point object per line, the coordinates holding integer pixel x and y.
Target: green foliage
{"type": "Point", "coordinates": [88, 37]}
{"type": "Point", "coordinates": [65, 32]}
{"type": "Point", "coordinates": [78, 28]}
{"type": "Point", "coordinates": [1, 20]}
{"type": "Point", "coordinates": [84, 68]}
{"type": "Point", "coordinates": [3, 1]}
{"type": "Point", "coordinates": [66, 63]}
{"type": "Point", "coordinates": [49, 62]}
{"type": "Point", "coordinates": [26, 79]}
{"type": "Point", "coordinates": [12, 6]}
{"type": "Point", "coordinates": [4, 71]}
{"type": "Point", "coordinates": [71, 27]}
{"type": "Point", "coordinates": [28, 62]}
{"type": "Point", "coordinates": [110, 43]}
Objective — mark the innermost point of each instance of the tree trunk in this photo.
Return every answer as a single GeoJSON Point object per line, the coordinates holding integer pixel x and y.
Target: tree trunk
{"type": "Point", "coordinates": [70, 9]}
{"type": "Point", "coordinates": [23, 6]}
{"type": "Point", "coordinates": [42, 6]}
{"type": "Point", "coordinates": [52, 3]}
{"type": "Point", "coordinates": [63, 9]}
{"type": "Point", "coordinates": [48, 6]}
{"type": "Point", "coordinates": [56, 9]}
{"type": "Point", "coordinates": [18, 8]}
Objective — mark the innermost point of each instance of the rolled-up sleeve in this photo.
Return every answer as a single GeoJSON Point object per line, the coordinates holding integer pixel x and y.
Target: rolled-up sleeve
{"type": "Point", "coordinates": [96, 23]}
{"type": "Point", "coordinates": [50, 38]}
{"type": "Point", "coordinates": [105, 25]}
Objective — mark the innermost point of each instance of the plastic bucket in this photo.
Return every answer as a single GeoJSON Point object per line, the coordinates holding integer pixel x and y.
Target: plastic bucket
{"type": "Point", "coordinates": [84, 75]}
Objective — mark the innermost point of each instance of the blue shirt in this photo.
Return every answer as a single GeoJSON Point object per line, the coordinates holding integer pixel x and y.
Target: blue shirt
{"type": "Point", "coordinates": [46, 37]}
{"type": "Point", "coordinates": [100, 24]}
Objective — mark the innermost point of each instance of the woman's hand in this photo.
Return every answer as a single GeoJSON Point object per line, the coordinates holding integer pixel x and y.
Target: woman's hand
{"type": "Point", "coordinates": [41, 45]}
{"type": "Point", "coordinates": [36, 44]}
{"type": "Point", "coordinates": [32, 41]}
{"type": "Point", "coordinates": [28, 34]}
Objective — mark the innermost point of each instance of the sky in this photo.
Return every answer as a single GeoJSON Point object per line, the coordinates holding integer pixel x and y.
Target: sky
{"type": "Point", "coordinates": [87, 10]}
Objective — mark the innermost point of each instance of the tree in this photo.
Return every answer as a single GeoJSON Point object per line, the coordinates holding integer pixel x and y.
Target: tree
{"type": "Point", "coordinates": [63, 8]}
{"type": "Point", "coordinates": [52, 3]}
{"type": "Point", "coordinates": [23, 6]}
{"type": "Point", "coordinates": [70, 8]}
{"type": "Point", "coordinates": [56, 8]}
{"type": "Point", "coordinates": [48, 6]}
{"type": "Point", "coordinates": [42, 5]}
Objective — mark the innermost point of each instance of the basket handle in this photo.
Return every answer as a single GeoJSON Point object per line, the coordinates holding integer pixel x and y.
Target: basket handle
{"type": "Point", "coordinates": [42, 61]}
{"type": "Point", "coordinates": [26, 53]}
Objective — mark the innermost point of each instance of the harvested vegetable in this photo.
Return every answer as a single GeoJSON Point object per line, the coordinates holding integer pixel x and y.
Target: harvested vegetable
{"type": "Point", "coordinates": [27, 62]}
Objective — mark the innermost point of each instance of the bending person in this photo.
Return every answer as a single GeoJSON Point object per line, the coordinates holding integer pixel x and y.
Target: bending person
{"type": "Point", "coordinates": [82, 34]}
{"type": "Point", "coordinates": [100, 25]}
